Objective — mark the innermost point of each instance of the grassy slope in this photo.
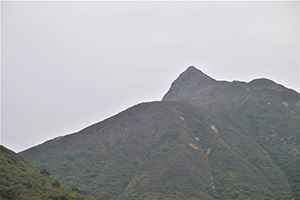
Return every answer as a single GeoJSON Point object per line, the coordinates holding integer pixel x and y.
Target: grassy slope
{"type": "Point", "coordinates": [20, 180]}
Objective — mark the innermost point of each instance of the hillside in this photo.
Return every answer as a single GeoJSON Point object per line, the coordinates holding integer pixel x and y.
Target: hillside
{"type": "Point", "coordinates": [206, 139]}
{"type": "Point", "coordinates": [162, 150]}
{"type": "Point", "coordinates": [262, 110]}
{"type": "Point", "coordinates": [21, 180]}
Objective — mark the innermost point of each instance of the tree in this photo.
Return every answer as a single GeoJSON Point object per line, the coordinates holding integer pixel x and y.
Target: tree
{"type": "Point", "coordinates": [45, 172]}
{"type": "Point", "coordinates": [56, 184]}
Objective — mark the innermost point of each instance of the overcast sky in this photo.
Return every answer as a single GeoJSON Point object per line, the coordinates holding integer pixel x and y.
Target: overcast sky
{"type": "Point", "coordinates": [67, 65]}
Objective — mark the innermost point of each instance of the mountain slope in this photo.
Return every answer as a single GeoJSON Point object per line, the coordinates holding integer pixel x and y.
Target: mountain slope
{"type": "Point", "coordinates": [163, 150]}
{"type": "Point", "coordinates": [21, 180]}
{"type": "Point", "coordinates": [262, 110]}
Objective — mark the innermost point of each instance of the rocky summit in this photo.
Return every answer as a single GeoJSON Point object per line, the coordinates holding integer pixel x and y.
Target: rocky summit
{"type": "Point", "coordinates": [206, 139]}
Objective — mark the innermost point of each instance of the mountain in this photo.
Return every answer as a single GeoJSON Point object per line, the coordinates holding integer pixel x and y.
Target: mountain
{"type": "Point", "coordinates": [21, 180]}
{"type": "Point", "coordinates": [262, 110]}
{"type": "Point", "coordinates": [206, 139]}
{"type": "Point", "coordinates": [193, 86]}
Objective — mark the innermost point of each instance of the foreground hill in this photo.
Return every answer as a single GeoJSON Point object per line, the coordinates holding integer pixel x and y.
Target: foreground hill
{"type": "Point", "coordinates": [207, 139]}
{"type": "Point", "coordinates": [21, 180]}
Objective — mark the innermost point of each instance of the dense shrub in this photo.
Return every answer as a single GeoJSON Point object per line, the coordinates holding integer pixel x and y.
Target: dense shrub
{"type": "Point", "coordinates": [45, 172]}
{"type": "Point", "coordinates": [56, 184]}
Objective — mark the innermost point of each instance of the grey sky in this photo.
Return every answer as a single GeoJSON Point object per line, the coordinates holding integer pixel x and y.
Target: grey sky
{"type": "Point", "coordinates": [67, 65]}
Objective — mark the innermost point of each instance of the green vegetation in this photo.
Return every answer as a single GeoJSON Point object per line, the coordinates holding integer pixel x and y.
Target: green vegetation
{"type": "Point", "coordinates": [274, 128]}
{"type": "Point", "coordinates": [56, 184]}
{"type": "Point", "coordinates": [45, 172]}
{"type": "Point", "coordinates": [151, 158]}
{"type": "Point", "coordinates": [20, 180]}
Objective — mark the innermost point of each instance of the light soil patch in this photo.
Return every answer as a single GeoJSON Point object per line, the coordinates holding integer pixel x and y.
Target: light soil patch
{"type": "Point", "coordinates": [193, 146]}
{"type": "Point", "coordinates": [213, 127]}
{"type": "Point", "coordinates": [58, 138]}
{"type": "Point", "coordinates": [182, 118]}
{"type": "Point", "coordinates": [208, 151]}
{"type": "Point", "coordinates": [197, 138]}
{"type": "Point", "coordinates": [284, 103]}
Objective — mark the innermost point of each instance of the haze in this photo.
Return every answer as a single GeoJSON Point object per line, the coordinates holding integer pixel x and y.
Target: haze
{"type": "Point", "coordinates": [67, 65]}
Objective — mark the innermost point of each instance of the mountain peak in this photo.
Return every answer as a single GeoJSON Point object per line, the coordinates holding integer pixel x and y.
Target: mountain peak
{"type": "Point", "coordinates": [193, 72]}
{"type": "Point", "coordinates": [191, 67]}
{"type": "Point", "coordinates": [187, 81]}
